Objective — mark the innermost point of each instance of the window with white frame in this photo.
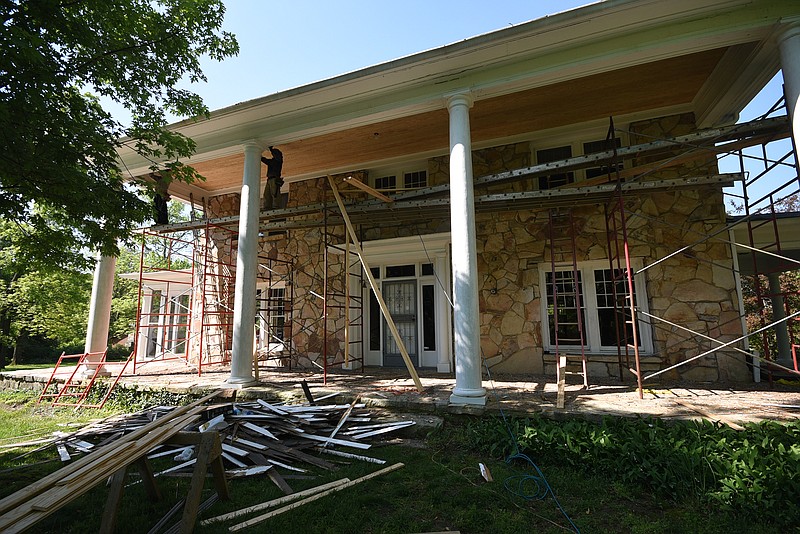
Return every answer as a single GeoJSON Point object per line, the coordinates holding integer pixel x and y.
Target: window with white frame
{"type": "Point", "coordinates": [270, 317]}
{"type": "Point", "coordinates": [399, 180]}
{"type": "Point", "coordinates": [568, 150]}
{"type": "Point", "coordinates": [595, 287]}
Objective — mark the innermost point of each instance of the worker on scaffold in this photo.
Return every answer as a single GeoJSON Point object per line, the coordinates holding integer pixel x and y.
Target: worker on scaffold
{"type": "Point", "coordinates": [272, 191]}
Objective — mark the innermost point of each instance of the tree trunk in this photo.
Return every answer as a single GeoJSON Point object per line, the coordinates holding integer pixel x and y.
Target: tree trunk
{"type": "Point", "coordinates": [5, 334]}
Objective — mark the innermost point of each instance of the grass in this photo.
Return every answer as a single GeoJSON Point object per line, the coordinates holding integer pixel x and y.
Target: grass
{"type": "Point", "coordinates": [29, 366]}
{"type": "Point", "coordinates": [439, 489]}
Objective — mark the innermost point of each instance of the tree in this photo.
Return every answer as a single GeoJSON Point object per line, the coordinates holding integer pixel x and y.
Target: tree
{"type": "Point", "coordinates": [50, 304]}
{"type": "Point", "coordinates": [59, 176]}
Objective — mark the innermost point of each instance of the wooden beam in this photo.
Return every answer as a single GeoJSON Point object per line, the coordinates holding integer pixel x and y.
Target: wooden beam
{"type": "Point", "coordinates": [274, 502]}
{"type": "Point", "coordinates": [375, 289]}
{"type": "Point", "coordinates": [315, 497]}
{"type": "Point", "coordinates": [367, 189]}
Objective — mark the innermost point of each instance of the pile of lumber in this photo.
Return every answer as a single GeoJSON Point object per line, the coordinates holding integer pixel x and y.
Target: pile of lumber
{"type": "Point", "coordinates": [256, 438]}
{"type": "Point", "coordinates": [21, 510]}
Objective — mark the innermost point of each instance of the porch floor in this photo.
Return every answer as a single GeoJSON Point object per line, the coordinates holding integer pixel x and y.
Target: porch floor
{"type": "Point", "coordinates": [393, 389]}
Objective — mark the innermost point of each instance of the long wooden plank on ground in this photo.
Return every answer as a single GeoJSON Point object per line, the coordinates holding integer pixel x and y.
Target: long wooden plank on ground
{"type": "Point", "coordinates": [375, 289]}
{"type": "Point", "coordinates": [78, 483]}
{"type": "Point", "coordinates": [315, 497]}
{"type": "Point", "coordinates": [274, 502]}
{"type": "Point", "coordinates": [344, 417]}
{"type": "Point", "coordinates": [709, 415]}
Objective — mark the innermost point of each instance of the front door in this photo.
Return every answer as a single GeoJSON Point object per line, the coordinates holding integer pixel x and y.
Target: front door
{"type": "Point", "coordinates": [401, 301]}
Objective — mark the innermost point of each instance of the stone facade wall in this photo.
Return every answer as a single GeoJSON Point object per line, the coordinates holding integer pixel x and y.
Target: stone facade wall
{"type": "Point", "coordinates": [695, 289]}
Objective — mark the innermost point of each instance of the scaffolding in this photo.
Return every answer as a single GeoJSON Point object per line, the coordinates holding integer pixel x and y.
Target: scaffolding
{"type": "Point", "coordinates": [343, 308]}
{"type": "Point", "coordinates": [759, 195]}
{"type": "Point", "coordinates": [339, 287]}
{"type": "Point", "coordinates": [186, 295]}
{"type": "Point", "coordinates": [274, 312]}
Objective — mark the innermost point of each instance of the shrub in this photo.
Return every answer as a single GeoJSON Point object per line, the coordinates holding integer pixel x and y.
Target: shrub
{"type": "Point", "coordinates": [754, 471]}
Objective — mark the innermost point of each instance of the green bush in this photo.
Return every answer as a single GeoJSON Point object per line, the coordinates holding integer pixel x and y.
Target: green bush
{"type": "Point", "coordinates": [753, 471]}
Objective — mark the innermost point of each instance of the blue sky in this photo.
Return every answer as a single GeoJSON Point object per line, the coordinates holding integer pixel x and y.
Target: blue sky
{"type": "Point", "coordinates": [286, 44]}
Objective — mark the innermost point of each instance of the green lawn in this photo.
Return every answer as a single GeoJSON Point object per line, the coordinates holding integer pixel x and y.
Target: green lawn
{"type": "Point", "coordinates": [439, 489]}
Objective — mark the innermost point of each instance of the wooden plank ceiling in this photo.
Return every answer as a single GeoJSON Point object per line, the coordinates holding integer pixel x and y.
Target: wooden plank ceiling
{"type": "Point", "coordinates": [669, 82]}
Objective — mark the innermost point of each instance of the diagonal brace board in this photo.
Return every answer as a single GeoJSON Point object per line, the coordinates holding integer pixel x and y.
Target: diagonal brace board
{"type": "Point", "coordinates": [375, 289]}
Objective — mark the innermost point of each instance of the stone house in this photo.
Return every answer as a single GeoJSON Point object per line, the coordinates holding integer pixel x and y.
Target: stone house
{"type": "Point", "coordinates": [503, 182]}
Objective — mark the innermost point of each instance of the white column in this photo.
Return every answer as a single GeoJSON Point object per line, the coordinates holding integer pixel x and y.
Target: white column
{"type": "Point", "coordinates": [443, 330]}
{"type": "Point", "coordinates": [244, 300]}
{"type": "Point", "coordinates": [100, 309]}
{"type": "Point", "coordinates": [783, 343]}
{"type": "Point", "coordinates": [466, 325]}
{"type": "Point", "coordinates": [789, 45]}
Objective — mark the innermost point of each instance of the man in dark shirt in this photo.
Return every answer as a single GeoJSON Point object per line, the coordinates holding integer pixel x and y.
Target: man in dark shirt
{"type": "Point", "coordinates": [272, 191]}
{"type": "Point", "coordinates": [160, 199]}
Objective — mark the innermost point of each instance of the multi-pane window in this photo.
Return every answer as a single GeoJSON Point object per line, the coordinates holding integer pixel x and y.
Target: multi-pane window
{"type": "Point", "coordinates": [609, 287]}
{"type": "Point", "coordinates": [602, 322]}
{"type": "Point", "coordinates": [560, 153]}
{"type": "Point", "coordinates": [565, 319]}
{"type": "Point", "coordinates": [593, 147]}
{"type": "Point", "coordinates": [415, 179]}
{"type": "Point", "coordinates": [401, 180]}
{"type": "Point", "coordinates": [271, 317]}
{"type": "Point", "coordinates": [555, 154]}
{"type": "Point", "coordinates": [386, 182]}
{"type": "Point", "coordinates": [179, 322]}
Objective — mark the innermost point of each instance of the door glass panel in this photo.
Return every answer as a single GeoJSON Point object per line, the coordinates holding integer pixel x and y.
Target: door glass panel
{"type": "Point", "coordinates": [401, 302]}
{"type": "Point", "coordinates": [428, 318]}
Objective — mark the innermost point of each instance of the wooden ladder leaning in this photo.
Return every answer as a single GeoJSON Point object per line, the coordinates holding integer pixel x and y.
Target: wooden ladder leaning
{"type": "Point", "coordinates": [565, 292]}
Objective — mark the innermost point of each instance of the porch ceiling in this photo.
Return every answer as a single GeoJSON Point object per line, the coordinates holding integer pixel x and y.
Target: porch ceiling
{"type": "Point", "coordinates": [672, 83]}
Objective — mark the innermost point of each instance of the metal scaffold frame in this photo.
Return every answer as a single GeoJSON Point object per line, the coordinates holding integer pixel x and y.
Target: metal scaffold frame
{"type": "Point", "coordinates": [274, 312]}
{"type": "Point", "coordinates": [341, 304]}
{"type": "Point", "coordinates": [614, 191]}
{"type": "Point", "coordinates": [159, 327]}
{"type": "Point", "coordinates": [197, 319]}
{"type": "Point", "coordinates": [720, 146]}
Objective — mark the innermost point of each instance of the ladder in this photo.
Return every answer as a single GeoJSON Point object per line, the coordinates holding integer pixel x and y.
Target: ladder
{"type": "Point", "coordinates": [75, 388]}
{"type": "Point", "coordinates": [565, 298]}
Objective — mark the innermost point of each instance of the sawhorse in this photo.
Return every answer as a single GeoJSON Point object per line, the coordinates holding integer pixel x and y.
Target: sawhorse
{"type": "Point", "coordinates": [209, 455]}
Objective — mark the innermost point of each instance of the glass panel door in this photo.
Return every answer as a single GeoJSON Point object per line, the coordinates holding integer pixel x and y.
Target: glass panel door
{"type": "Point", "coordinates": [401, 301]}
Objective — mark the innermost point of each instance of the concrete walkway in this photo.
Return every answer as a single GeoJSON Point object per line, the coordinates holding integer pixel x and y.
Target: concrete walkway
{"type": "Point", "coordinates": [394, 389]}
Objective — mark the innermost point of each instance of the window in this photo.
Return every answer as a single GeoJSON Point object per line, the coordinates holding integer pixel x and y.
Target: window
{"type": "Point", "coordinates": [393, 179]}
{"type": "Point", "coordinates": [593, 147]}
{"type": "Point", "coordinates": [560, 153]}
{"type": "Point", "coordinates": [563, 295]}
{"type": "Point", "coordinates": [178, 323]}
{"type": "Point", "coordinates": [271, 317]}
{"type": "Point", "coordinates": [555, 154]}
{"type": "Point", "coordinates": [400, 271]}
{"type": "Point", "coordinates": [386, 182]}
{"type": "Point", "coordinates": [375, 316]}
{"type": "Point", "coordinates": [415, 179]}
{"type": "Point", "coordinates": [594, 287]}
{"type": "Point", "coordinates": [428, 318]}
